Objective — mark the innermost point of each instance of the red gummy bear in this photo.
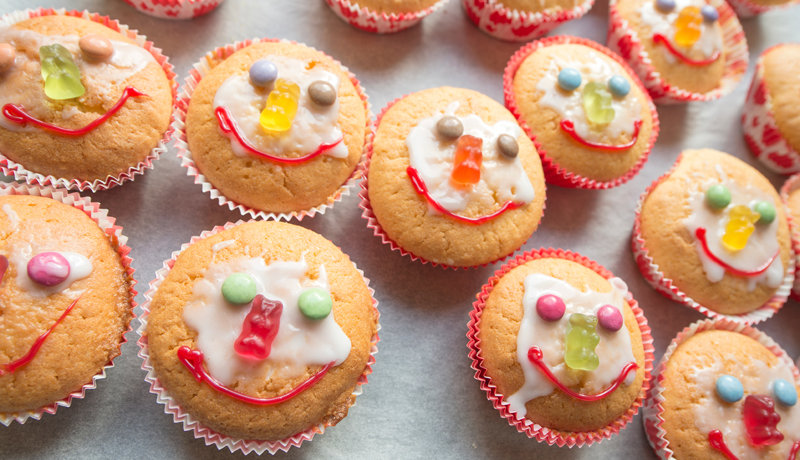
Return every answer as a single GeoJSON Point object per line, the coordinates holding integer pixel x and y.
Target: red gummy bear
{"type": "Point", "coordinates": [761, 420]}
{"type": "Point", "coordinates": [259, 328]}
{"type": "Point", "coordinates": [467, 162]}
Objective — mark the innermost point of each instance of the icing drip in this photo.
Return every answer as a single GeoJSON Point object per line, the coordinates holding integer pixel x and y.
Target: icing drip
{"type": "Point", "coordinates": [710, 41]}
{"type": "Point", "coordinates": [312, 126]}
{"type": "Point", "coordinates": [614, 349]}
{"type": "Point", "coordinates": [501, 180]}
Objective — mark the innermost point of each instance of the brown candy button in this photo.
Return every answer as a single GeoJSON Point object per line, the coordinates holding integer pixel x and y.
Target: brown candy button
{"type": "Point", "coordinates": [7, 55]}
{"type": "Point", "coordinates": [322, 93]}
{"type": "Point", "coordinates": [95, 47]}
{"type": "Point", "coordinates": [449, 127]}
{"type": "Point", "coordinates": [508, 145]}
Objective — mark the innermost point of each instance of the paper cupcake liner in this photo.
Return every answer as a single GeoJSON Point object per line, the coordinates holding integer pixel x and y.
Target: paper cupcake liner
{"type": "Point", "coordinates": [372, 222]}
{"type": "Point", "coordinates": [174, 9]}
{"type": "Point", "coordinates": [623, 40]}
{"type": "Point", "coordinates": [653, 275]}
{"type": "Point", "coordinates": [119, 241]}
{"type": "Point", "coordinates": [514, 25]}
{"type": "Point", "coordinates": [761, 133]}
{"type": "Point", "coordinates": [196, 73]}
{"type": "Point", "coordinates": [748, 9]}
{"type": "Point", "coordinates": [792, 184]}
{"type": "Point", "coordinates": [20, 173]}
{"type": "Point", "coordinates": [375, 22]}
{"type": "Point", "coordinates": [555, 174]}
{"type": "Point", "coordinates": [653, 409]}
{"type": "Point", "coordinates": [534, 430]}
{"type": "Point", "coordinates": [200, 431]}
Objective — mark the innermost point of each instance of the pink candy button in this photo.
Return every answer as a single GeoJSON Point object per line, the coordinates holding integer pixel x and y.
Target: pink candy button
{"type": "Point", "coordinates": [48, 268]}
{"type": "Point", "coordinates": [550, 307]}
{"type": "Point", "coordinates": [609, 317]}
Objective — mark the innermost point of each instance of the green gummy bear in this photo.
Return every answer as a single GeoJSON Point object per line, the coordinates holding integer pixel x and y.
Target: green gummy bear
{"type": "Point", "coordinates": [62, 77]}
{"type": "Point", "coordinates": [596, 100]}
{"type": "Point", "coordinates": [581, 341]}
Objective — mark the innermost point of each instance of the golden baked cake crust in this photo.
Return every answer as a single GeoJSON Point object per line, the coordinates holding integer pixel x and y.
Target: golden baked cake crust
{"type": "Point", "coordinates": [782, 79]}
{"type": "Point", "coordinates": [394, 6]}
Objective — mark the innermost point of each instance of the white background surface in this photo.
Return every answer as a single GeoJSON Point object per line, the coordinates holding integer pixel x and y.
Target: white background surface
{"type": "Point", "coordinates": [422, 400]}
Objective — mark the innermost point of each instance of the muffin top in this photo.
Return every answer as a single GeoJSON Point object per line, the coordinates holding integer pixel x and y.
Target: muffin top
{"type": "Point", "coordinates": [782, 79]}
{"type": "Point", "coordinates": [535, 6]}
{"type": "Point", "coordinates": [395, 6]}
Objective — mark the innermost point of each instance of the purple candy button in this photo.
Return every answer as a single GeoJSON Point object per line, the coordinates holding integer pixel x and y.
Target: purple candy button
{"type": "Point", "coordinates": [550, 307]}
{"type": "Point", "coordinates": [609, 317]}
{"type": "Point", "coordinates": [48, 268]}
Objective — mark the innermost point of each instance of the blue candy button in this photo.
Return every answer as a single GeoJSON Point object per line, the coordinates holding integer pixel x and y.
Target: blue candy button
{"type": "Point", "coordinates": [619, 85]}
{"type": "Point", "coordinates": [729, 388]}
{"type": "Point", "coordinates": [709, 13]}
{"type": "Point", "coordinates": [569, 79]}
{"type": "Point", "coordinates": [665, 5]}
{"type": "Point", "coordinates": [785, 392]}
{"type": "Point", "coordinates": [263, 72]}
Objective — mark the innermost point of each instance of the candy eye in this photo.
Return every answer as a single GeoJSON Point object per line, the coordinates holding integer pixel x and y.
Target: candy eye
{"type": "Point", "coordinates": [729, 388]}
{"type": "Point", "coordinates": [718, 196]}
{"type": "Point", "coordinates": [710, 14]}
{"type": "Point", "coordinates": [7, 55]}
{"type": "Point", "coordinates": [785, 392]}
{"type": "Point", "coordinates": [569, 79]}
{"type": "Point", "coordinates": [766, 212]}
{"type": "Point", "coordinates": [619, 86]}
{"type": "Point", "coordinates": [665, 6]}
{"type": "Point", "coordinates": [322, 93]}
{"type": "Point", "coordinates": [609, 318]}
{"type": "Point", "coordinates": [239, 288]}
{"type": "Point", "coordinates": [315, 303]}
{"type": "Point", "coordinates": [449, 127]}
{"type": "Point", "coordinates": [48, 268]}
{"type": "Point", "coordinates": [263, 72]}
{"type": "Point", "coordinates": [550, 307]}
{"type": "Point", "coordinates": [508, 146]}
{"type": "Point", "coordinates": [96, 47]}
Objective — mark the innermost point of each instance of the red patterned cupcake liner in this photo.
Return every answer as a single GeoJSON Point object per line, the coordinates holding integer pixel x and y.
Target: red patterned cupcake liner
{"type": "Point", "coordinates": [555, 174]}
{"type": "Point", "coordinates": [748, 9]}
{"type": "Point", "coordinates": [196, 73]}
{"type": "Point", "coordinates": [514, 25]}
{"type": "Point", "coordinates": [792, 184]}
{"type": "Point", "coordinates": [200, 431]}
{"type": "Point", "coordinates": [653, 409]}
{"type": "Point", "coordinates": [372, 222]}
{"type": "Point", "coordinates": [20, 173]}
{"type": "Point", "coordinates": [174, 9]}
{"type": "Point", "coordinates": [375, 22]}
{"type": "Point", "coordinates": [523, 425]}
{"type": "Point", "coordinates": [119, 241]}
{"type": "Point", "coordinates": [624, 40]}
{"type": "Point", "coordinates": [665, 286]}
{"type": "Point", "coordinates": [760, 130]}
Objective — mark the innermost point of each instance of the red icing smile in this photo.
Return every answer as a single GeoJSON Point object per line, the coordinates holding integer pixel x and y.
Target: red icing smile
{"type": "Point", "coordinates": [659, 38]}
{"type": "Point", "coordinates": [717, 441]}
{"type": "Point", "coordinates": [229, 126]}
{"type": "Point", "coordinates": [16, 114]}
{"type": "Point", "coordinates": [700, 233]}
{"type": "Point", "coordinates": [569, 127]}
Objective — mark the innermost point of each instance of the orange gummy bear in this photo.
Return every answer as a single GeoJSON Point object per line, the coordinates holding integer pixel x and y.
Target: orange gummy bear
{"type": "Point", "coordinates": [687, 26]}
{"type": "Point", "coordinates": [467, 162]}
{"type": "Point", "coordinates": [739, 227]}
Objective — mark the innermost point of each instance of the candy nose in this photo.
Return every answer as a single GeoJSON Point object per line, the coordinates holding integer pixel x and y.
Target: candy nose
{"type": "Point", "coordinates": [739, 227]}
{"type": "Point", "coordinates": [761, 421]}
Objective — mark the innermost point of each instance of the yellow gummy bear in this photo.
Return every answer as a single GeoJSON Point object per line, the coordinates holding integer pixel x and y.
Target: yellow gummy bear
{"type": "Point", "coordinates": [281, 107]}
{"type": "Point", "coordinates": [739, 227]}
{"type": "Point", "coordinates": [687, 26]}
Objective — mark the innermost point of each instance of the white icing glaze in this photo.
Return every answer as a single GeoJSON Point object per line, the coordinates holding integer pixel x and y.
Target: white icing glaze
{"type": "Point", "coordinates": [663, 23]}
{"type": "Point", "coordinates": [300, 342]}
{"type": "Point", "coordinates": [711, 413]}
{"type": "Point", "coordinates": [763, 242]}
{"type": "Point", "coordinates": [312, 126]}
{"type": "Point", "coordinates": [20, 254]}
{"type": "Point", "coordinates": [501, 179]}
{"type": "Point", "coordinates": [13, 218]}
{"type": "Point", "coordinates": [104, 79]}
{"type": "Point", "coordinates": [222, 245]}
{"type": "Point", "coordinates": [614, 349]}
{"type": "Point", "coordinates": [569, 104]}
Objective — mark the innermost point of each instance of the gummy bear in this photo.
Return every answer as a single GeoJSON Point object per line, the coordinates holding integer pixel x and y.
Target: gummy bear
{"type": "Point", "coordinates": [581, 341]}
{"type": "Point", "coordinates": [281, 107]}
{"type": "Point", "coordinates": [687, 26]}
{"type": "Point", "coordinates": [761, 421]}
{"type": "Point", "coordinates": [467, 162]}
{"type": "Point", "coordinates": [739, 227]}
{"type": "Point", "coordinates": [596, 100]}
{"type": "Point", "coordinates": [62, 78]}
{"type": "Point", "coordinates": [259, 328]}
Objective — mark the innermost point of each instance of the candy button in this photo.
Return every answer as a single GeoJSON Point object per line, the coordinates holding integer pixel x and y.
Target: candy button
{"type": "Point", "coordinates": [449, 127]}
{"type": "Point", "coordinates": [665, 5]}
{"type": "Point", "coordinates": [263, 72]}
{"type": "Point", "coordinates": [239, 288]}
{"type": "Point", "coordinates": [95, 47]}
{"type": "Point", "coordinates": [569, 79]}
{"type": "Point", "coordinates": [48, 268]}
{"type": "Point", "coordinates": [550, 307]}
{"type": "Point", "coordinates": [609, 318]}
{"type": "Point", "coordinates": [507, 145]}
{"type": "Point", "coordinates": [710, 14]}
{"type": "Point", "coordinates": [765, 211]}
{"type": "Point", "coordinates": [619, 85]}
{"type": "Point", "coordinates": [729, 388]}
{"type": "Point", "coordinates": [322, 93]}
{"type": "Point", "coordinates": [718, 196]}
{"type": "Point", "coordinates": [7, 55]}
{"type": "Point", "coordinates": [785, 392]}
{"type": "Point", "coordinates": [315, 303]}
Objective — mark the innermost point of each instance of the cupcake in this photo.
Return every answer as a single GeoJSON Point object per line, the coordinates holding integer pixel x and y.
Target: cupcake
{"type": "Point", "coordinates": [724, 390]}
{"type": "Point", "coordinates": [771, 113]}
{"type": "Point", "coordinates": [523, 20]}
{"type": "Point", "coordinates": [561, 348]}
{"type": "Point", "coordinates": [272, 128]}
{"type": "Point", "coordinates": [750, 8]}
{"type": "Point", "coordinates": [591, 119]}
{"type": "Point", "coordinates": [383, 16]}
{"type": "Point", "coordinates": [174, 9]}
{"type": "Point", "coordinates": [258, 335]}
{"type": "Point", "coordinates": [711, 234]}
{"type": "Point", "coordinates": [683, 50]}
{"type": "Point", "coordinates": [453, 179]}
{"type": "Point", "coordinates": [67, 297]}
{"type": "Point", "coordinates": [790, 196]}
{"type": "Point", "coordinates": [86, 87]}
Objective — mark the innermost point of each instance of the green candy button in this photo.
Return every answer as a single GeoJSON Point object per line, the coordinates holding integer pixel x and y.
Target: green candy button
{"type": "Point", "coordinates": [315, 303]}
{"type": "Point", "coordinates": [766, 212]}
{"type": "Point", "coordinates": [718, 196]}
{"type": "Point", "coordinates": [239, 288]}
